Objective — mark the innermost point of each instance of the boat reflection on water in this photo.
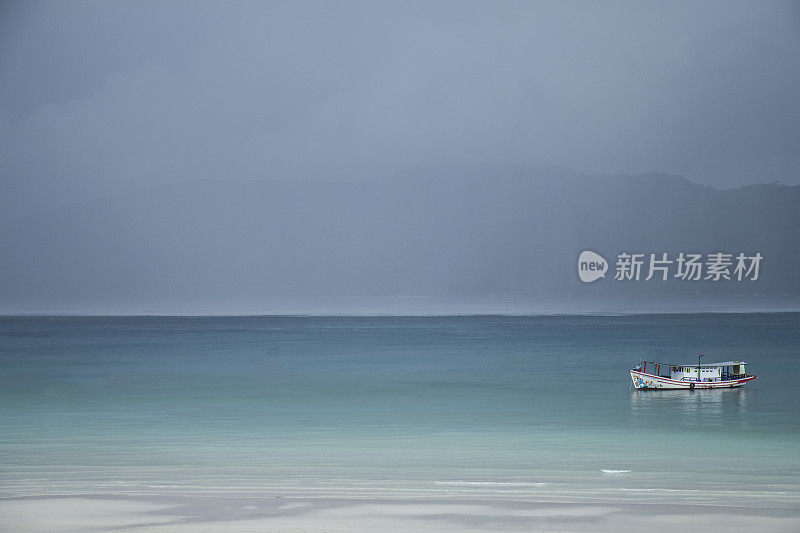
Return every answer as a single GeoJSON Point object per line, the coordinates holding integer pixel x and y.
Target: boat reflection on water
{"type": "Point", "coordinates": [708, 406]}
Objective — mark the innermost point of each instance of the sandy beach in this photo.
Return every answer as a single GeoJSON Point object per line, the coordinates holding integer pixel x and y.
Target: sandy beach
{"type": "Point", "coordinates": [314, 514]}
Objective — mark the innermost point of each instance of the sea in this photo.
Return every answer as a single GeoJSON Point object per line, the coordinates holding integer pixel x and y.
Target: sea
{"type": "Point", "coordinates": [534, 407]}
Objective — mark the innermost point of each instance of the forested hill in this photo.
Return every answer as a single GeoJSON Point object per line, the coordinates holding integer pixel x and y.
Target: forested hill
{"type": "Point", "coordinates": [488, 233]}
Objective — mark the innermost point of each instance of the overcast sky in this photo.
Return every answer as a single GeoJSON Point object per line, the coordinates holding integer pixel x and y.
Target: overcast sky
{"type": "Point", "coordinates": [103, 94]}
{"type": "Point", "coordinates": [142, 146]}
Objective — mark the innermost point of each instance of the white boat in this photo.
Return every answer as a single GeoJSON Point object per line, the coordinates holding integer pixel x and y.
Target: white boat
{"type": "Point", "coordinates": [654, 375]}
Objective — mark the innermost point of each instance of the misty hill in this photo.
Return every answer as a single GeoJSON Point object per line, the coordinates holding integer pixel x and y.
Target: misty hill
{"type": "Point", "coordinates": [509, 233]}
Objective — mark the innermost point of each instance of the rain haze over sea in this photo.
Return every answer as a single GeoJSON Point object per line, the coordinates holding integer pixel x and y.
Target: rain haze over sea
{"type": "Point", "coordinates": [384, 266]}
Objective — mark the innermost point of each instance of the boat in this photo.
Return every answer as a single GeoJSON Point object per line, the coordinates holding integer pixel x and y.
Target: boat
{"type": "Point", "coordinates": [655, 375]}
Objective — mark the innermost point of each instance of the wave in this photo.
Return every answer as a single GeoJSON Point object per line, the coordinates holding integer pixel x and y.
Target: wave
{"type": "Point", "coordinates": [488, 484]}
{"type": "Point", "coordinates": [607, 471]}
{"type": "Point", "coordinates": [665, 490]}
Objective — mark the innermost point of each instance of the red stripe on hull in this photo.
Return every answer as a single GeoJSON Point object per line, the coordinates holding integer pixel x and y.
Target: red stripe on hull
{"type": "Point", "coordinates": [688, 384]}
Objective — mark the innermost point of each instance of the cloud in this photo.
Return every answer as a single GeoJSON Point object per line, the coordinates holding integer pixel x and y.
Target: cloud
{"type": "Point", "coordinates": [104, 95]}
{"type": "Point", "coordinates": [148, 149]}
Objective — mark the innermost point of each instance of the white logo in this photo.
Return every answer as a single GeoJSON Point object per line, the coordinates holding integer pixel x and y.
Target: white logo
{"type": "Point", "coordinates": [591, 266]}
{"type": "Point", "coordinates": [664, 266]}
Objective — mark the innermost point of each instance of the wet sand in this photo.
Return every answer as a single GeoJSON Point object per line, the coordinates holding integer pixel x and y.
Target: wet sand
{"type": "Point", "coordinates": [180, 514]}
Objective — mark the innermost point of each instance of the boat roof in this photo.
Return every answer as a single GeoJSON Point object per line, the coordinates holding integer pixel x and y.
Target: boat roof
{"type": "Point", "coordinates": [723, 363]}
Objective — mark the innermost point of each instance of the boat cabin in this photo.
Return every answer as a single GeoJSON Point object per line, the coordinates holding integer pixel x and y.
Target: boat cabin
{"type": "Point", "coordinates": [711, 372]}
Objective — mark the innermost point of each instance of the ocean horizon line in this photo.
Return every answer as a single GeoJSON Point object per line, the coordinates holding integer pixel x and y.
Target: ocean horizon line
{"type": "Point", "coordinates": [397, 315]}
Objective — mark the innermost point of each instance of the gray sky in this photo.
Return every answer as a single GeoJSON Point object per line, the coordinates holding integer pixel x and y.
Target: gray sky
{"type": "Point", "coordinates": [98, 93]}
{"type": "Point", "coordinates": [140, 144]}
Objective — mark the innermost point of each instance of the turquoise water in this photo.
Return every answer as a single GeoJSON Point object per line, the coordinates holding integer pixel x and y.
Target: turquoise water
{"type": "Point", "coordinates": [394, 405]}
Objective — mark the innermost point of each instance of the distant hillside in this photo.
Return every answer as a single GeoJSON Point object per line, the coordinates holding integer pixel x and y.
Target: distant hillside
{"type": "Point", "coordinates": [506, 233]}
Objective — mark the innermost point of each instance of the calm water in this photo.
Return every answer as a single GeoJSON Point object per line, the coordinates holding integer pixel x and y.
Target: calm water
{"type": "Point", "coordinates": [536, 405]}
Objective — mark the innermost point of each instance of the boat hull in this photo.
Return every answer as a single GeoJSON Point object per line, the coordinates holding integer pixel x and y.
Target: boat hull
{"type": "Point", "coordinates": [642, 381]}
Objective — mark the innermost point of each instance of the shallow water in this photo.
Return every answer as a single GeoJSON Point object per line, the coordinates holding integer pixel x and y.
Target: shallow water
{"type": "Point", "coordinates": [396, 405]}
